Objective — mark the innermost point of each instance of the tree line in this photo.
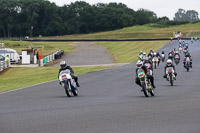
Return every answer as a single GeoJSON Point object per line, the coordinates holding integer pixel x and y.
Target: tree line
{"type": "Point", "coordinates": [41, 17]}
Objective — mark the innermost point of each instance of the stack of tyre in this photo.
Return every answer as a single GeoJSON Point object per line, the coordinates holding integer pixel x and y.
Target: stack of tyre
{"type": "Point", "coordinates": [59, 54]}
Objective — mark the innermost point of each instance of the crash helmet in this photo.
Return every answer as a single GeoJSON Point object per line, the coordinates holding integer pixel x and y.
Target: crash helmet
{"type": "Point", "coordinates": [146, 59]}
{"type": "Point", "coordinates": [154, 53]}
{"type": "Point", "coordinates": [144, 53]}
{"type": "Point", "coordinates": [63, 64]}
{"type": "Point", "coordinates": [139, 63]}
{"type": "Point", "coordinates": [169, 62]}
{"type": "Point", "coordinates": [143, 58]}
{"type": "Point", "coordinates": [176, 52]}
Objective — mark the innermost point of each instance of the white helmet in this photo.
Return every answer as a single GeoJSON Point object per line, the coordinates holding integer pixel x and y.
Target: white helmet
{"type": "Point", "coordinates": [154, 53]}
{"type": "Point", "coordinates": [144, 53]}
{"type": "Point", "coordinates": [139, 63]}
{"type": "Point", "coordinates": [169, 62]}
{"type": "Point", "coordinates": [63, 64]}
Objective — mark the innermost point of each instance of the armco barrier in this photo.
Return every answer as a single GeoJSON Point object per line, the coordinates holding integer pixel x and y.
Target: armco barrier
{"type": "Point", "coordinates": [4, 65]}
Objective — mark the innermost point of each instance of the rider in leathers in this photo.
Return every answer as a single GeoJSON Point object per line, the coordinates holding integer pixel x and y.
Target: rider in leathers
{"type": "Point", "coordinates": [169, 64]}
{"type": "Point", "coordinates": [184, 60]}
{"type": "Point", "coordinates": [64, 66]}
{"type": "Point", "coordinates": [140, 65]}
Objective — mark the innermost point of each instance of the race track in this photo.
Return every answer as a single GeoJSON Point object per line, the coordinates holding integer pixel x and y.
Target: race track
{"type": "Point", "coordinates": [109, 101]}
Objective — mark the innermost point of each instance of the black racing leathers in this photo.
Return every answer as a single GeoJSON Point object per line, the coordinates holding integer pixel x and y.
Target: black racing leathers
{"type": "Point", "coordinates": [166, 66]}
{"type": "Point", "coordinates": [72, 73]}
{"type": "Point", "coordinates": [184, 60]}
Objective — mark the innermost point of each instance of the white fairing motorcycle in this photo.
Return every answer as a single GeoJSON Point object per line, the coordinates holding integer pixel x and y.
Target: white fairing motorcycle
{"type": "Point", "coordinates": [68, 83]}
{"type": "Point", "coordinates": [163, 57]}
{"type": "Point", "coordinates": [170, 75]}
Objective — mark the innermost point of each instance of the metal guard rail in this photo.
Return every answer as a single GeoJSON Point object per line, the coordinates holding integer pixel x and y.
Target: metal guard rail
{"type": "Point", "coordinates": [4, 65]}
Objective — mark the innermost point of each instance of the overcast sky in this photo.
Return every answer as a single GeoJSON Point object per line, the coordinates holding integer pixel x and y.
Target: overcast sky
{"type": "Point", "coordinates": [160, 7]}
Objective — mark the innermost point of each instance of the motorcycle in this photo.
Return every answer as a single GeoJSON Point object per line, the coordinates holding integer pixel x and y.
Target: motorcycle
{"type": "Point", "coordinates": [185, 51]}
{"type": "Point", "coordinates": [187, 64]}
{"type": "Point", "coordinates": [148, 65]}
{"type": "Point", "coordinates": [155, 61]}
{"type": "Point", "coordinates": [163, 57]}
{"type": "Point", "coordinates": [145, 83]}
{"type": "Point", "coordinates": [177, 59]}
{"type": "Point", "coordinates": [68, 83]}
{"type": "Point", "coordinates": [171, 56]}
{"type": "Point", "coordinates": [170, 75]}
{"type": "Point", "coordinates": [180, 50]}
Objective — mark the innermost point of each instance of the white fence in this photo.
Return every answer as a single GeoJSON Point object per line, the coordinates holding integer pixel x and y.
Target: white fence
{"type": "Point", "coordinates": [52, 57]}
{"type": "Point", "coordinates": [4, 65]}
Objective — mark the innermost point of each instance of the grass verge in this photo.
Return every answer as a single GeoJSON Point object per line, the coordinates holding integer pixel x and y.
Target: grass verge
{"type": "Point", "coordinates": [125, 52]}
{"type": "Point", "coordinates": [14, 78]}
{"type": "Point", "coordinates": [138, 32]}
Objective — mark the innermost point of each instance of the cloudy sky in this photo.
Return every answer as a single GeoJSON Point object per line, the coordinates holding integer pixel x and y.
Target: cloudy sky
{"type": "Point", "coordinates": [160, 7]}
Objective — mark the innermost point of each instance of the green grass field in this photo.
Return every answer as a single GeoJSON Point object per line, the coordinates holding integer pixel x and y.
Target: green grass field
{"type": "Point", "coordinates": [139, 32]}
{"type": "Point", "coordinates": [48, 47]}
{"type": "Point", "coordinates": [14, 78]}
{"type": "Point", "coordinates": [125, 52]}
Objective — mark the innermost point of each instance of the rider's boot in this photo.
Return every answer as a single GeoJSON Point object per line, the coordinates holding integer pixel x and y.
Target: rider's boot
{"type": "Point", "coordinates": [77, 84]}
{"type": "Point", "coordinates": [152, 83]}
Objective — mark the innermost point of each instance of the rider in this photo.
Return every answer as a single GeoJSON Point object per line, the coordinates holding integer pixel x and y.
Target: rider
{"type": "Point", "coordinates": [157, 54]}
{"type": "Point", "coordinates": [170, 55]}
{"type": "Point", "coordinates": [169, 64]}
{"type": "Point", "coordinates": [64, 66]}
{"type": "Point", "coordinates": [140, 55]}
{"type": "Point", "coordinates": [147, 72]}
{"type": "Point", "coordinates": [184, 60]}
{"type": "Point", "coordinates": [148, 63]}
{"type": "Point", "coordinates": [177, 54]}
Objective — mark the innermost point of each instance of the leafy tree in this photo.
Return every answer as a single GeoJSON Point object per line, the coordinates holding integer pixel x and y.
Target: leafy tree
{"type": "Point", "coordinates": [190, 15]}
{"type": "Point", "coordinates": [144, 16]}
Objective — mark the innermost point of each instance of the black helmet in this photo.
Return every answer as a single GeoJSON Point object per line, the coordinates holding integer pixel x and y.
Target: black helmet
{"type": "Point", "coordinates": [187, 54]}
{"type": "Point", "coordinates": [63, 64]}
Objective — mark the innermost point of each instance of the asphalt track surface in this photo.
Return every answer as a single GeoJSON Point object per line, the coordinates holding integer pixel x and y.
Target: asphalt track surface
{"type": "Point", "coordinates": [109, 101]}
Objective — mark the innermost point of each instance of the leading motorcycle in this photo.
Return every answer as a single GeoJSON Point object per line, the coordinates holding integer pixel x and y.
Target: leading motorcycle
{"type": "Point", "coordinates": [145, 83]}
{"type": "Point", "coordinates": [68, 83]}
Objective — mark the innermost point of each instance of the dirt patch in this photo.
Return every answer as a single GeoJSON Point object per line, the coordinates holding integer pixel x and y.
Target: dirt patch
{"type": "Point", "coordinates": [87, 53]}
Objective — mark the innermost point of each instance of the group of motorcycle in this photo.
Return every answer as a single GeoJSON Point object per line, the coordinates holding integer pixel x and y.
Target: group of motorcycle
{"type": "Point", "coordinates": [187, 60]}
{"type": "Point", "coordinates": [155, 59]}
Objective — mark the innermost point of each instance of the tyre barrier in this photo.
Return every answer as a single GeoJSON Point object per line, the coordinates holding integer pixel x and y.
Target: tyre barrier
{"type": "Point", "coordinates": [59, 54]}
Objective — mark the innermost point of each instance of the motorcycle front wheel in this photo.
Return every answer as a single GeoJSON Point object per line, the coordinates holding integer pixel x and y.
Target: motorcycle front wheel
{"type": "Point", "coordinates": [171, 80]}
{"type": "Point", "coordinates": [67, 89]}
{"type": "Point", "coordinates": [145, 90]}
